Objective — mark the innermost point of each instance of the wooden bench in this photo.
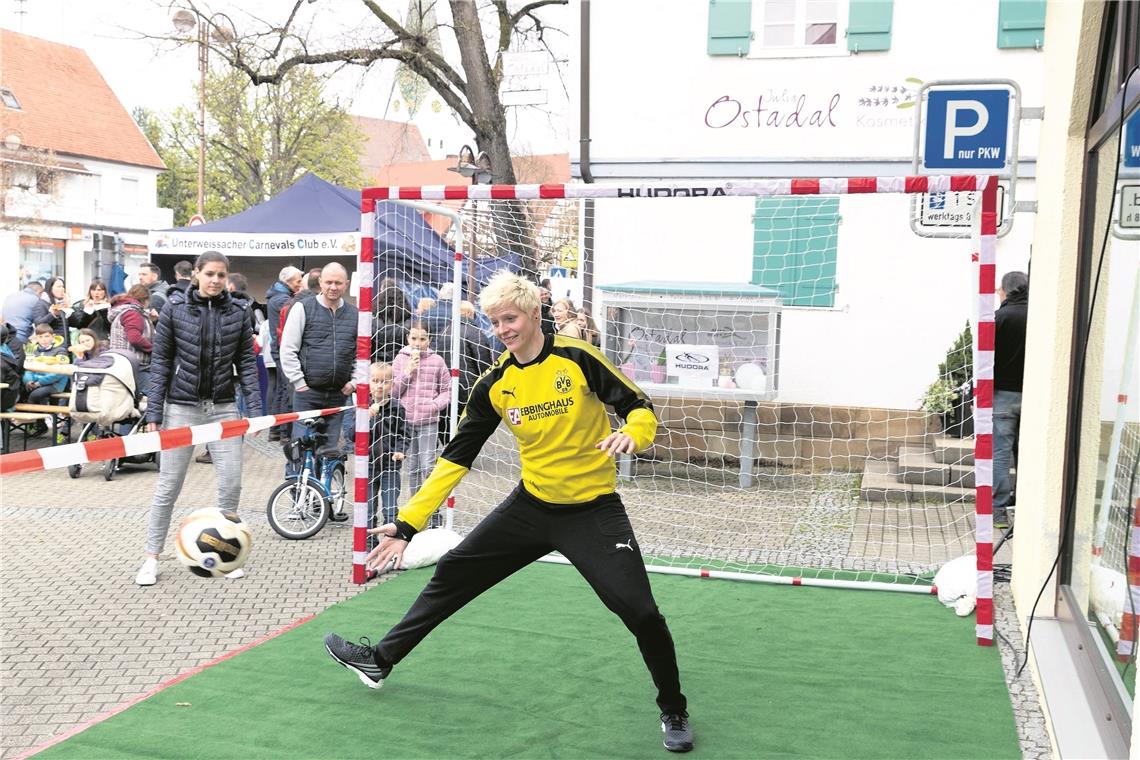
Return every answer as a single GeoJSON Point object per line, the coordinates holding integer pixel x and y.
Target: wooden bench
{"type": "Point", "coordinates": [55, 412]}
{"type": "Point", "coordinates": [22, 421]}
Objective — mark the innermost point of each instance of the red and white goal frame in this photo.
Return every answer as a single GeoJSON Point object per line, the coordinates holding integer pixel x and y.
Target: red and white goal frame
{"type": "Point", "coordinates": [982, 253]}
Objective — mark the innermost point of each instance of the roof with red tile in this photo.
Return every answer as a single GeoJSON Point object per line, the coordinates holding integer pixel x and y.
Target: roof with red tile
{"type": "Point", "coordinates": [529, 170]}
{"type": "Point", "coordinates": [389, 142]}
{"type": "Point", "coordinates": [65, 104]}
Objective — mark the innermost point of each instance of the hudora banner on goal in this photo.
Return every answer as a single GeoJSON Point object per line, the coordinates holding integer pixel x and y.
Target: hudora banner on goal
{"type": "Point", "coordinates": [812, 431]}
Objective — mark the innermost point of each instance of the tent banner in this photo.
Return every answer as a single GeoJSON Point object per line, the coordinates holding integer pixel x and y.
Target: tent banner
{"type": "Point", "coordinates": [193, 243]}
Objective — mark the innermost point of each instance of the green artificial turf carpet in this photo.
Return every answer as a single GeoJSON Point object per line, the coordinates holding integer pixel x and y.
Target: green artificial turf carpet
{"type": "Point", "coordinates": [537, 667]}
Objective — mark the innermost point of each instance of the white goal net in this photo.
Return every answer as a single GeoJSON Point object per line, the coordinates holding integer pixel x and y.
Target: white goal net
{"type": "Point", "coordinates": [814, 424]}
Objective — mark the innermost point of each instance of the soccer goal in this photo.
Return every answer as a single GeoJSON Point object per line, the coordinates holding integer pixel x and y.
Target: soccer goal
{"type": "Point", "coordinates": [812, 432]}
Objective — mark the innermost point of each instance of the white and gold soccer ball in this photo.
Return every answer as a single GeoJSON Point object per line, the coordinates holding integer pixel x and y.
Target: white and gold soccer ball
{"type": "Point", "coordinates": [212, 542]}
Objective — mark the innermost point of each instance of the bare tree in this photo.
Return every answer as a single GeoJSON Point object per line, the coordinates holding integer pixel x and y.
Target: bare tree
{"type": "Point", "coordinates": [29, 183]}
{"type": "Point", "coordinates": [266, 54]}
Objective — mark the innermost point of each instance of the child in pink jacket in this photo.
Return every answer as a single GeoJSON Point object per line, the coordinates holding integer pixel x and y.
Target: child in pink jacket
{"type": "Point", "coordinates": [422, 383]}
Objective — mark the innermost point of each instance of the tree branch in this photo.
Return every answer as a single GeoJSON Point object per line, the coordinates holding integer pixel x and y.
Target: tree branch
{"type": "Point", "coordinates": [527, 10]}
{"type": "Point", "coordinates": [417, 45]}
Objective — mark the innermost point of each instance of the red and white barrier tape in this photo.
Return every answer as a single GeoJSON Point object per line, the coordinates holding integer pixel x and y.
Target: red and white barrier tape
{"type": "Point", "coordinates": [52, 457]}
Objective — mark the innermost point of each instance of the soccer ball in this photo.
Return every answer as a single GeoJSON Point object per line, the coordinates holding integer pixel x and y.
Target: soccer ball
{"type": "Point", "coordinates": [212, 542]}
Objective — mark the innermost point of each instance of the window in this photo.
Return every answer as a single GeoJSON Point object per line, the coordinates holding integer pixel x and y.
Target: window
{"type": "Point", "coordinates": [799, 27]}
{"type": "Point", "coordinates": [40, 259]}
{"type": "Point", "coordinates": [129, 192]}
{"type": "Point", "coordinates": [9, 99]}
{"type": "Point", "coordinates": [45, 181]}
{"type": "Point", "coordinates": [795, 241]}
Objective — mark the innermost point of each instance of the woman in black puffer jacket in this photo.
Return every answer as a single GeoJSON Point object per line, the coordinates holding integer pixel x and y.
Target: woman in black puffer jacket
{"type": "Point", "coordinates": [202, 346]}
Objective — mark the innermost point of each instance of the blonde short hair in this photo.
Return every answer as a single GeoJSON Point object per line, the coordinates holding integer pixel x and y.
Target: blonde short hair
{"type": "Point", "coordinates": [507, 289]}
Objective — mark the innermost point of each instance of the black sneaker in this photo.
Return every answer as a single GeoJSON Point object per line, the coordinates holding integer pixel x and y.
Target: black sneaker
{"type": "Point", "coordinates": [678, 735]}
{"type": "Point", "coordinates": [361, 659]}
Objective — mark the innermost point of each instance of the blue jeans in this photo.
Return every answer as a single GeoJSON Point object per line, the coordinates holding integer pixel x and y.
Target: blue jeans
{"type": "Point", "coordinates": [1007, 419]}
{"type": "Point", "coordinates": [387, 482]}
{"type": "Point", "coordinates": [307, 401]}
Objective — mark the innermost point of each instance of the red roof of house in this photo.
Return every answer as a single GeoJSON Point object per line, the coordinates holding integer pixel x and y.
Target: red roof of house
{"type": "Point", "coordinates": [65, 104]}
{"type": "Point", "coordinates": [529, 170]}
{"type": "Point", "coordinates": [389, 142]}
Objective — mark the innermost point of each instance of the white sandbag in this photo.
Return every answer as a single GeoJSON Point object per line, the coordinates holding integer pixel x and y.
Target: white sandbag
{"type": "Point", "coordinates": [427, 546]}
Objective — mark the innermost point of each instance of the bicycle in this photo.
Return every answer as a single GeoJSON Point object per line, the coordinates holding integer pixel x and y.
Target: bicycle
{"type": "Point", "coordinates": [316, 493]}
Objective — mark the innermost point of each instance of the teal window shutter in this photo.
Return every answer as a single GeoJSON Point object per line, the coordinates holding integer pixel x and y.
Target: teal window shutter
{"type": "Point", "coordinates": [1021, 24]}
{"type": "Point", "coordinates": [795, 244]}
{"type": "Point", "coordinates": [869, 25]}
{"type": "Point", "coordinates": [730, 27]}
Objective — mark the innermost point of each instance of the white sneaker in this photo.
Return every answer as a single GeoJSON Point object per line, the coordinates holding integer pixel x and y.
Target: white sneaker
{"type": "Point", "coordinates": [148, 573]}
{"type": "Point", "coordinates": [233, 576]}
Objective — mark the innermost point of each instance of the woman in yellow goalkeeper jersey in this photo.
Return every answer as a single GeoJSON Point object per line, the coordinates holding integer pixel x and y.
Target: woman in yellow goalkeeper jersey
{"type": "Point", "coordinates": [552, 392]}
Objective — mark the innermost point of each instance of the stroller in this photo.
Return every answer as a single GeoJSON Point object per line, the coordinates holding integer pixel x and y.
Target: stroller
{"type": "Point", "coordinates": [105, 398]}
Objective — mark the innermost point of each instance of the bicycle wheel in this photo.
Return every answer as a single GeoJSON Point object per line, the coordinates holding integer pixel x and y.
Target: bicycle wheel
{"type": "Point", "coordinates": [338, 496]}
{"type": "Point", "coordinates": [297, 509]}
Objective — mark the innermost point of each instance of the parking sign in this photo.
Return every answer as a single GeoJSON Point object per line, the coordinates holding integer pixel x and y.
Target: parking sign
{"type": "Point", "coordinates": [967, 130]}
{"type": "Point", "coordinates": [1132, 141]}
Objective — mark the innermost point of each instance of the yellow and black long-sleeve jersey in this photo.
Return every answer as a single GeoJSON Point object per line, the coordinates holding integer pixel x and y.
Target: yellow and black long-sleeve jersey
{"type": "Point", "coordinates": [555, 407]}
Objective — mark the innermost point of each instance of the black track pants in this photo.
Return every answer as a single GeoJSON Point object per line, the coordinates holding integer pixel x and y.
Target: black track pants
{"type": "Point", "coordinates": [597, 539]}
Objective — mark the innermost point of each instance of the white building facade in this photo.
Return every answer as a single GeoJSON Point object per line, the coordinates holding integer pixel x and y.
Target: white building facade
{"type": "Point", "coordinates": [53, 234]}
{"type": "Point", "coordinates": [712, 90]}
{"type": "Point", "coordinates": [75, 164]}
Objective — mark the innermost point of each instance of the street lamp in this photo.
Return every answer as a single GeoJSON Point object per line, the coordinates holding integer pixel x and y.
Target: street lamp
{"type": "Point", "coordinates": [184, 21]}
{"type": "Point", "coordinates": [478, 169]}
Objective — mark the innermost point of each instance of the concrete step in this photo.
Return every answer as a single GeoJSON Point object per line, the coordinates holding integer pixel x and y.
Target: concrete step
{"type": "Point", "coordinates": [881, 484]}
{"type": "Point", "coordinates": [960, 476]}
{"type": "Point", "coordinates": [917, 465]}
{"type": "Point", "coordinates": [953, 450]}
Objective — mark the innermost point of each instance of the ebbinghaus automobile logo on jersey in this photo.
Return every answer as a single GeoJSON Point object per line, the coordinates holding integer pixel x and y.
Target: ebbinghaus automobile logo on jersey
{"type": "Point", "coordinates": [539, 411]}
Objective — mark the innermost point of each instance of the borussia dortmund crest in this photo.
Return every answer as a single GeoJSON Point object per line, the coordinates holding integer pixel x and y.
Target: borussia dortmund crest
{"type": "Point", "coordinates": [562, 382]}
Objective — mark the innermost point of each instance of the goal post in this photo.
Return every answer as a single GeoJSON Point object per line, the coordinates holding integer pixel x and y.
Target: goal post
{"type": "Point", "coordinates": [781, 456]}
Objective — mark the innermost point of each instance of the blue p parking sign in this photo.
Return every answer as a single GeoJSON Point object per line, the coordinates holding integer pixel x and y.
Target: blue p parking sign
{"type": "Point", "coordinates": [1132, 141]}
{"type": "Point", "coordinates": [966, 130]}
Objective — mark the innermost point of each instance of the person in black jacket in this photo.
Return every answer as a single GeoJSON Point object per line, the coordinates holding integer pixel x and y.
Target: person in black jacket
{"type": "Point", "coordinates": [390, 438]}
{"type": "Point", "coordinates": [318, 351]}
{"type": "Point", "coordinates": [202, 337]}
{"type": "Point", "coordinates": [1009, 370]}
{"type": "Point", "coordinates": [289, 281]}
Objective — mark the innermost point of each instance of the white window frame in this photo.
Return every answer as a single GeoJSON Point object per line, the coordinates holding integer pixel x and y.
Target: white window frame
{"type": "Point", "coordinates": [125, 183]}
{"type": "Point", "coordinates": [758, 50]}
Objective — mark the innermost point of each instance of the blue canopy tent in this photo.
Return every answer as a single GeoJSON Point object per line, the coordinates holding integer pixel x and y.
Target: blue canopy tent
{"type": "Point", "coordinates": [407, 247]}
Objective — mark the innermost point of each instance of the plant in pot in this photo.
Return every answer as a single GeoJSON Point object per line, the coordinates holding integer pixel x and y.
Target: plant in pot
{"type": "Point", "coordinates": [950, 395]}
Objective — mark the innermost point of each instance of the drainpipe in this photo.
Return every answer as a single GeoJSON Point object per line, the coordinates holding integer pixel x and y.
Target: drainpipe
{"type": "Point", "coordinates": [586, 255]}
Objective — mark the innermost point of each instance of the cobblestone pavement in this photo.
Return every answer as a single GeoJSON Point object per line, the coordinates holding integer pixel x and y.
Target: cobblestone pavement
{"type": "Point", "coordinates": [1031, 731]}
{"type": "Point", "coordinates": [79, 638]}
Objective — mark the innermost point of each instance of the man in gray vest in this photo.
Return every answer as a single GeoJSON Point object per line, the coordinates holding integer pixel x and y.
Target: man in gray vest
{"type": "Point", "coordinates": [318, 349]}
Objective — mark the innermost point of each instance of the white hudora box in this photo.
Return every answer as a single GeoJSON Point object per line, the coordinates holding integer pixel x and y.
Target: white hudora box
{"type": "Point", "coordinates": [712, 340]}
